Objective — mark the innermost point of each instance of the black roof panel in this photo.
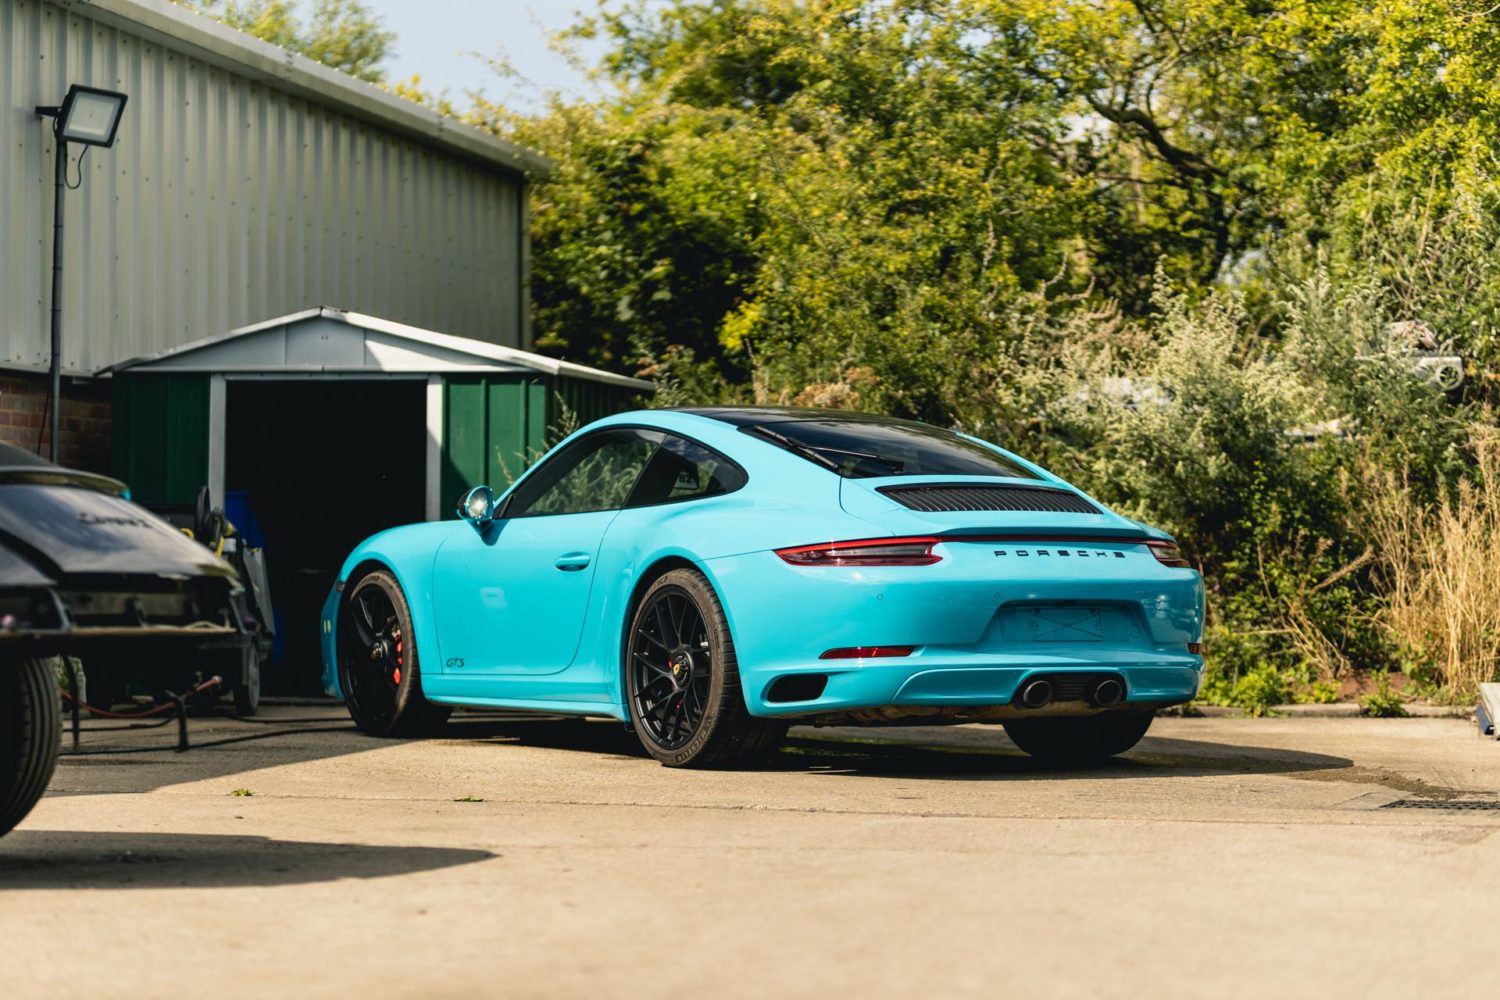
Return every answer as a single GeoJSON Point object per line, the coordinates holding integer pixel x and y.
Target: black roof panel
{"type": "Point", "coordinates": [744, 416]}
{"type": "Point", "coordinates": [863, 445]}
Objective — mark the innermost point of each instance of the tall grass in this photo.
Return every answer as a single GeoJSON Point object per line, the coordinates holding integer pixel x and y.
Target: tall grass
{"type": "Point", "coordinates": [1439, 569]}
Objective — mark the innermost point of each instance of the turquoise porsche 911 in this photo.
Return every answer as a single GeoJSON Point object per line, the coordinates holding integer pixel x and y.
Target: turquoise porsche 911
{"type": "Point", "coordinates": [710, 576]}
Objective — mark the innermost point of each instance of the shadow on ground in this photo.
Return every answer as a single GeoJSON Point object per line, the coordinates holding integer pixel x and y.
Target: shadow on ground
{"type": "Point", "coordinates": [1154, 758]}
{"type": "Point", "coordinates": [930, 751]}
{"type": "Point", "coordinates": [47, 859]}
{"type": "Point", "coordinates": [115, 762]}
{"type": "Point", "coordinates": [120, 758]}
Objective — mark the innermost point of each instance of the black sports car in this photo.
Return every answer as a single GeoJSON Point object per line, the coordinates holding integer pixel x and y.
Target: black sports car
{"type": "Point", "coordinates": [86, 573]}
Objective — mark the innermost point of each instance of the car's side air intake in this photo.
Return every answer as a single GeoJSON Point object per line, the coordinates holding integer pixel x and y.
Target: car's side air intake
{"type": "Point", "coordinates": [935, 498]}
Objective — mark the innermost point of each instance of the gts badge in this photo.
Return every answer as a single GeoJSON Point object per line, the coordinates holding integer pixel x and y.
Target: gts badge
{"type": "Point", "coordinates": [1061, 553]}
{"type": "Point", "coordinates": [454, 662]}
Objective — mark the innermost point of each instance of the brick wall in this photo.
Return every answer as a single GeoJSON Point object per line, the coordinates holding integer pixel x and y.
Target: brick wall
{"type": "Point", "coordinates": [85, 418]}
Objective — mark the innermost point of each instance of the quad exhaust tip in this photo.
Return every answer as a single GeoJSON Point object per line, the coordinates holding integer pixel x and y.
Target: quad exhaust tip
{"type": "Point", "coordinates": [1108, 693]}
{"type": "Point", "coordinates": [1036, 694]}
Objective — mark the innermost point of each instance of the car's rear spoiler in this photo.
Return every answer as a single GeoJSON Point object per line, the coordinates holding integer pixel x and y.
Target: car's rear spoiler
{"type": "Point", "coordinates": [51, 475]}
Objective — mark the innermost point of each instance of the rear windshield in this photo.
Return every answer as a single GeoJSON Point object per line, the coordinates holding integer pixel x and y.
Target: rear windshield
{"type": "Point", "coordinates": [860, 449]}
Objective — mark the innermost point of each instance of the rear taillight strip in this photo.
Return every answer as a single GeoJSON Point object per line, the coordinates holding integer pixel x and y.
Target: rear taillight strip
{"type": "Point", "coordinates": [865, 552]}
{"type": "Point", "coordinates": [1168, 554]}
{"type": "Point", "coordinates": [918, 551]}
{"type": "Point", "coordinates": [1059, 539]}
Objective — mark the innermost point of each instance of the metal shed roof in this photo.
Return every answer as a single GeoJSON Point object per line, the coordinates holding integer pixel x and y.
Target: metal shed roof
{"type": "Point", "coordinates": [334, 341]}
{"type": "Point", "coordinates": [201, 37]}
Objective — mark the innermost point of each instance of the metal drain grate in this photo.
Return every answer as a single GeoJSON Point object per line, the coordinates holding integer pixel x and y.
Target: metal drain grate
{"type": "Point", "coordinates": [1451, 805]}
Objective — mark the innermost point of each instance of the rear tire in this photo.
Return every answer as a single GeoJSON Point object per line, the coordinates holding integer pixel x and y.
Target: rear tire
{"type": "Point", "coordinates": [29, 732]}
{"type": "Point", "coordinates": [682, 679]}
{"type": "Point", "coordinates": [247, 688]}
{"type": "Point", "coordinates": [378, 669]}
{"type": "Point", "coordinates": [1089, 739]}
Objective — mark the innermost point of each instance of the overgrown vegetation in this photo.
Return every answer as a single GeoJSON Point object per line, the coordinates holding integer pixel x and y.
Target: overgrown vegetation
{"type": "Point", "coordinates": [1159, 245]}
{"type": "Point", "coordinates": [1439, 573]}
{"type": "Point", "coordinates": [1384, 702]}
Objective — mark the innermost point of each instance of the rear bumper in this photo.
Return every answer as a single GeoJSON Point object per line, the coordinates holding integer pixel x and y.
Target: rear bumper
{"type": "Point", "coordinates": [968, 687]}
{"type": "Point", "coordinates": [982, 621]}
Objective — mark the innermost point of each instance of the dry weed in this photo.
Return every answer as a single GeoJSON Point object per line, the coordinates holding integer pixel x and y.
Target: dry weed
{"type": "Point", "coordinates": [1439, 568]}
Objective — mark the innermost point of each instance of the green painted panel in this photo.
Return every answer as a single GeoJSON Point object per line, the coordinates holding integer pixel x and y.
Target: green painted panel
{"type": "Point", "coordinates": [464, 444]}
{"type": "Point", "coordinates": [496, 426]}
{"type": "Point", "coordinates": [507, 432]}
{"type": "Point", "coordinates": [160, 436]}
{"type": "Point", "coordinates": [146, 473]}
{"type": "Point", "coordinates": [540, 436]}
{"type": "Point", "coordinates": [576, 402]}
{"type": "Point", "coordinates": [120, 422]}
{"type": "Point", "coordinates": [515, 426]}
{"type": "Point", "coordinates": [187, 437]}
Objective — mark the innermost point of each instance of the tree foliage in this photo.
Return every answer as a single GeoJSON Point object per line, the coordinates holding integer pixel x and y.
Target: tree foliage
{"type": "Point", "coordinates": [1159, 244]}
{"type": "Point", "coordinates": [863, 171]}
{"type": "Point", "coordinates": [344, 34]}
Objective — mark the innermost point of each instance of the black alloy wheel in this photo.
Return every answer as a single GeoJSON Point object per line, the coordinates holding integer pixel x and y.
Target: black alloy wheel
{"type": "Point", "coordinates": [672, 663]}
{"type": "Point", "coordinates": [378, 669]}
{"type": "Point", "coordinates": [682, 679]}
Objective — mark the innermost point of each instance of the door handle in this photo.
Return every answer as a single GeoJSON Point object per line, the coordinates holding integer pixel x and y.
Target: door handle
{"type": "Point", "coordinates": [572, 561]}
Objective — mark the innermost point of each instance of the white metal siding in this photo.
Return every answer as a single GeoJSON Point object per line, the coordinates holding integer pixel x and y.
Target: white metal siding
{"type": "Point", "coordinates": [226, 201]}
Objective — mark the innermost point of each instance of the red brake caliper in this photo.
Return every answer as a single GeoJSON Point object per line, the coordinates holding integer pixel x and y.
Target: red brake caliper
{"type": "Point", "coordinates": [396, 674]}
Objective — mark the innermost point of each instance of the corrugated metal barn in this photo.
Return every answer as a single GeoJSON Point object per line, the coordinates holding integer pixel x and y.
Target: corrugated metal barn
{"type": "Point", "coordinates": [280, 282]}
{"type": "Point", "coordinates": [246, 183]}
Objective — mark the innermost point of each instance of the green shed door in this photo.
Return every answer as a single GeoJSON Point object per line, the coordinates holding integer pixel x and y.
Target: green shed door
{"type": "Point", "coordinates": [575, 402]}
{"type": "Point", "coordinates": [494, 427]}
{"type": "Point", "coordinates": [160, 436]}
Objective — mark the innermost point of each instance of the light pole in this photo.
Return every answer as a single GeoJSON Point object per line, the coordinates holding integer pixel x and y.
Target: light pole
{"type": "Point", "coordinates": [89, 116]}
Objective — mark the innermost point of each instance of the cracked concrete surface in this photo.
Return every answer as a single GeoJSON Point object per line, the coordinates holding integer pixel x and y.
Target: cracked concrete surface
{"type": "Point", "coordinates": [518, 858]}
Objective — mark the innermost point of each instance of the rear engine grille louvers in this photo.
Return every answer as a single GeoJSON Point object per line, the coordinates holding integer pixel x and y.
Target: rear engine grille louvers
{"type": "Point", "coordinates": [942, 498]}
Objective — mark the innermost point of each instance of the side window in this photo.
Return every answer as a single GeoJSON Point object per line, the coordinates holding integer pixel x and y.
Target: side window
{"type": "Point", "coordinates": [597, 472]}
{"type": "Point", "coordinates": [684, 470]}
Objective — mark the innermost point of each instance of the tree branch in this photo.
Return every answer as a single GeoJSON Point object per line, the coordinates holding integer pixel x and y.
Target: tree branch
{"type": "Point", "coordinates": [1184, 161]}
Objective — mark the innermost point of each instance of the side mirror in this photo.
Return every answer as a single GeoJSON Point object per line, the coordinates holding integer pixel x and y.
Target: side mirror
{"type": "Point", "coordinates": [477, 506]}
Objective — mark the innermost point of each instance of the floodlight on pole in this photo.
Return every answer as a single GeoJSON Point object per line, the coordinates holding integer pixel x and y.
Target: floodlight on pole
{"type": "Point", "coordinates": [89, 116]}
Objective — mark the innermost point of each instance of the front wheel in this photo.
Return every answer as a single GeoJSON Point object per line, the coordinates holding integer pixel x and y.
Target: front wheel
{"type": "Point", "coordinates": [683, 680]}
{"type": "Point", "coordinates": [29, 733]}
{"type": "Point", "coordinates": [1089, 739]}
{"type": "Point", "coordinates": [378, 669]}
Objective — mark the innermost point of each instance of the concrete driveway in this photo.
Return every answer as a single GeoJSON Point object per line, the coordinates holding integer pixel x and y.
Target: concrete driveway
{"type": "Point", "coordinates": [1224, 857]}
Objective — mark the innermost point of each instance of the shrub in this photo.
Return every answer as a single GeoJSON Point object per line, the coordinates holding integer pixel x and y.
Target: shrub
{"type": "Point", "coordinates": [1438, 571]}
{"type": "Point", "coordinates": [1385, 702]}
{"type": "Point", "coordinates": [1201, 426]}
{"type": "Point", "coordinates": [1261, 689]}
{"type": "Point", "coordinates": [1318, 693]}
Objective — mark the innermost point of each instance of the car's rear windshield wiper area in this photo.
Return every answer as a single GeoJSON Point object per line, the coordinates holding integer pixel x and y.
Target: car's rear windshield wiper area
{"type": "Point", "coordinates": [811, 454]}
{"type": "Point", "coordinates": [867, 449]}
